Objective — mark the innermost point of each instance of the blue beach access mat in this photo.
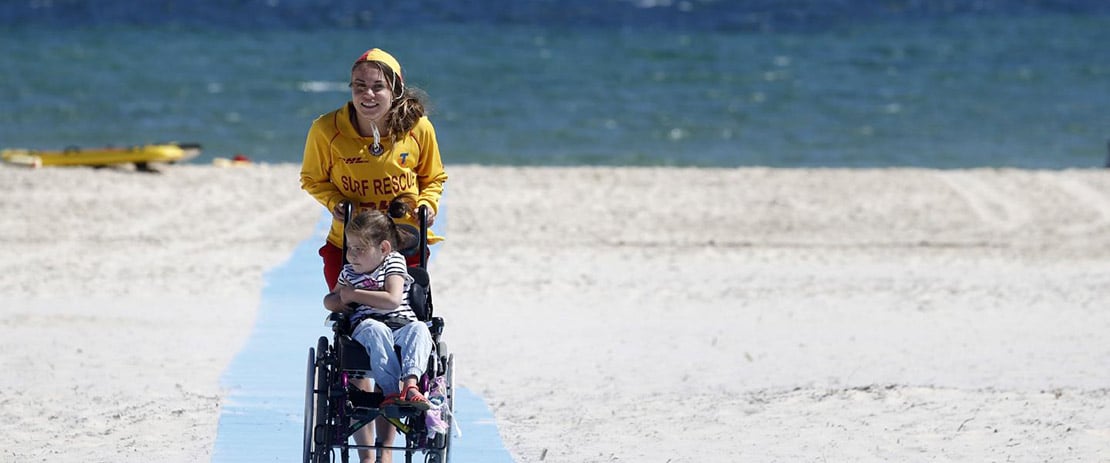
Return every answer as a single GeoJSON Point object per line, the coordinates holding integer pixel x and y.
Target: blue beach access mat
{"type": "Point", "coordinates": [262, 418]}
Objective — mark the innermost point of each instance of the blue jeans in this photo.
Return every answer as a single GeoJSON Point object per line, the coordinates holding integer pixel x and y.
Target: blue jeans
{"type": "Point", "coordinates": [416, 345]}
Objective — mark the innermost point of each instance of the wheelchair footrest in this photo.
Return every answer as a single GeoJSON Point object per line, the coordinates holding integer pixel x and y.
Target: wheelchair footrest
{"type": "Point", "coordinates": [400, 411]}
{"type": "Point", "coordinates": [373, 400]}
{"type": "Point", "coordinates": [362, 399]}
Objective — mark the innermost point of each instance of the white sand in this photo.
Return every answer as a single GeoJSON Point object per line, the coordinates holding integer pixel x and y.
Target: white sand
{"type": "Point", "coordinates": [123, 298]}
{"type": "Point", "coordinates": [655, 315]}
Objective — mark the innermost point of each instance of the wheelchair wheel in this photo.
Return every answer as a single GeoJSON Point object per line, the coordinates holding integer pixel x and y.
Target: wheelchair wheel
{"type": "Point", "coordinates": [319, 437]}
{"type": "Point", "coordinates": [450, 372]}
{"type": "Point", "coordinates": [309, 411]}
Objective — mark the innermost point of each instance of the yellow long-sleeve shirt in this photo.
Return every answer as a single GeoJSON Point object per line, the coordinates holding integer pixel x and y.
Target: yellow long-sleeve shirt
{"type": "Point", "coordinates": [338, 164]}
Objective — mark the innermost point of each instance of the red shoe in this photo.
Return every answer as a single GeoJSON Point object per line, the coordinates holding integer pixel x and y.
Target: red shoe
{"type": "Point", "coordinates": [412, 397]}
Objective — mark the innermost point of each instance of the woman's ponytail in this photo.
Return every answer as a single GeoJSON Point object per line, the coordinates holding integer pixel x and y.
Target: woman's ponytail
{"type": "Point", "coordinates": [403, 206]}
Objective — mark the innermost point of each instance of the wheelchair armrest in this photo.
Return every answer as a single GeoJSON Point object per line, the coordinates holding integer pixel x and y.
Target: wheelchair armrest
{"type": "Point", "coordinates": [338, 322]}
{"type": "Point", "coordinates": [435, 326]}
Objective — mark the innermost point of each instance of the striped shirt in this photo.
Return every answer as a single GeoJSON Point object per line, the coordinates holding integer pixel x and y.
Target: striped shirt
{"type": "Point", "coordinates": [394, 264]}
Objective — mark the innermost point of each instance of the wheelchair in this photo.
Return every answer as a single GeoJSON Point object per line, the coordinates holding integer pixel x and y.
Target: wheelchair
{"type": "Point", "coordinates": [335, 409]}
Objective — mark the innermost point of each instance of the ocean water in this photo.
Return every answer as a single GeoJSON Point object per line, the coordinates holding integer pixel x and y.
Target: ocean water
{"type": "Point", "coordinates": [856, 83]}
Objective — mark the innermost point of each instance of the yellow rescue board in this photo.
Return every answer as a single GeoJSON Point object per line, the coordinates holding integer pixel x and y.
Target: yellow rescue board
{"type": "Point", "coordinates": [138, 155]}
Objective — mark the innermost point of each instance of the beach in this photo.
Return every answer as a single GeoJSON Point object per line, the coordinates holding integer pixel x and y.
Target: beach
{"type": "Point", "coordinates": [604, 314]}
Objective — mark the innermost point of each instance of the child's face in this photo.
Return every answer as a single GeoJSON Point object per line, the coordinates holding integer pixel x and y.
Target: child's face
{"type": "Point", "coordinates": [364, 258]}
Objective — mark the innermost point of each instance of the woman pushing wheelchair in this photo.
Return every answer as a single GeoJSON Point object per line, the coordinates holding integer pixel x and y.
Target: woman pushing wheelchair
{"type": "Point", "coordinates": [377, 156]}
{"type": "Point", "coordinates": [371, 150]}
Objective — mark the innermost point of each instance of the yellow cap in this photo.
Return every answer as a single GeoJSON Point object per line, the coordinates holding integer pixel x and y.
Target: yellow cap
{"type": "Point", "coordinates": [379, 55]}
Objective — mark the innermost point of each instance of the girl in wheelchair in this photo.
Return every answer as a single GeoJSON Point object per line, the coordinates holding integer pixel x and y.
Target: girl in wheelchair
{"type": "Point", "coordinates": [373, 290]}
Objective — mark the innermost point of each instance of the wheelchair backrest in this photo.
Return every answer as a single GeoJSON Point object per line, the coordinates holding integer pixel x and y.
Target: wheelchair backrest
{"type": "Point", "coordinates": [420, 294]}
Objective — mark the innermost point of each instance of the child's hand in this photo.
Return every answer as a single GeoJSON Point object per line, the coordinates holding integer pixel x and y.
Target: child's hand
{"type": "Point", "coordinates": [340, 300]}
{"type": "Point", "coordinates": [345, 293]}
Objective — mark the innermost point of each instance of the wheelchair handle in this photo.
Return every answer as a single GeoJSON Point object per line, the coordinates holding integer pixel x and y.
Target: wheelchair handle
{"type": "Point", "coordinates": [347, 213]}
{"type": "Point", "coordinates": [422, 212]}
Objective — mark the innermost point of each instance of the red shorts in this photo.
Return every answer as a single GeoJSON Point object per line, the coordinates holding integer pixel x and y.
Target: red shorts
{"type": "Point", "coordinates": [333, 262]}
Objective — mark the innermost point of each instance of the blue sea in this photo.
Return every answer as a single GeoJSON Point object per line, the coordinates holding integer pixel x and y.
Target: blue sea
{"type": "Point", "coordinates": [788, 83]}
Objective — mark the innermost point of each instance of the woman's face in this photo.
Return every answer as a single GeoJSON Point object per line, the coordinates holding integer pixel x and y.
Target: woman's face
{"type": "Point", "coordinates": [371, 93]}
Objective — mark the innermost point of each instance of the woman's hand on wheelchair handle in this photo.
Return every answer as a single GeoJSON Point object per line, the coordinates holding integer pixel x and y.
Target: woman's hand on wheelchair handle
{"type": "Point", "coordinates": [430, 214]}
{"type": "Point", "coordinates": [340, 211]}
